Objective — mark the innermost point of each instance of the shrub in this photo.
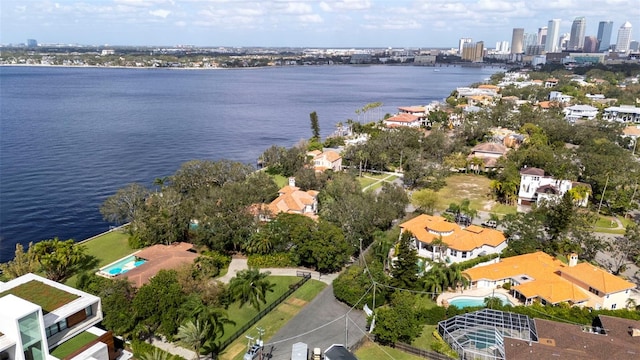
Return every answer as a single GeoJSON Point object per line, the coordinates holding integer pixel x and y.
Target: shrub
{"type": "Point", "coordinates": [218, 259]}
{"type": "Point", "coordinates": [506, 286]}
{"type": "Point", "coordinates": [271, 260]}
{"type": "Point", "coordinates": [140, 348]}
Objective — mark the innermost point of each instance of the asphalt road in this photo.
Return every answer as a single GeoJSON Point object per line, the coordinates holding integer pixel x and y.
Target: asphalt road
{"type": "Point", "coordinates": [321, 323]}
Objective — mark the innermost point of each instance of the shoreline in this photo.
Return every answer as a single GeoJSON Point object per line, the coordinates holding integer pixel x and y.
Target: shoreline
{"type": "Point", "coordinates": [441, 65]}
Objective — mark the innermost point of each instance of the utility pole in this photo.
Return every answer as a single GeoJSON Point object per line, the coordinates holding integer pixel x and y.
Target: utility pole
{"type": "Point", "coordinates": [603, 191]}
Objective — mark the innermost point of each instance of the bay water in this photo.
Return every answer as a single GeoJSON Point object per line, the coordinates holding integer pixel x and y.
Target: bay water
{"type": "Point", "coordinates": [71, 137]}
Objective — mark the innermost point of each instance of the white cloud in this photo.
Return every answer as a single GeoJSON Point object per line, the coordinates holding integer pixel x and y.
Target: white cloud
{"type": "Point", "coordinates": [310, 18]}
{"type": "Point", "coordinates": [160, 13]}
{"type": "Point", "coordinates": [345, 5]}
{"type": "Point", "coordinates": [297, 8]}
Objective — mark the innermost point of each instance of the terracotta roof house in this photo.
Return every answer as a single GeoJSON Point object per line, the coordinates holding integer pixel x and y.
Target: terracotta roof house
{"type": "Point", "coordinates": [489, 153]}
{"type": "Point", "coordinates": [290, 200]}
{"type": "Point", "coordinates": [403, 119]}
{"type": "Point", "coordinates": [157, 257]}
{"type": "Point", "coordinates": [535, 188]}
{"type": "Point", "coordinates": [325, 160]}
{"type": "Point", "coordinates": [540, 277]}
{"type": "Point", "coordinates": [38, 315]}
{"type": "Point", "coordinates": [461, 244]}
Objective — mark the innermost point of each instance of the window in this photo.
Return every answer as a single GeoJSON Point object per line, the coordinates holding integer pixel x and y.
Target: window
{"type": "Point", "coordinates": [595, 291]}
{"type": "Point", "coordinates": [88, 311]}
{"type": "Point", "coordinates": [453, 252]}
{"type": "Point", "coordinates": [464, 254]}
{"type": "Point", "coordinates": [613, 306]}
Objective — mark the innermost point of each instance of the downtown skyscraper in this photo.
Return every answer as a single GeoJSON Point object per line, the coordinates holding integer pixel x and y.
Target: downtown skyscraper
{"type": "Point", "coordinates": [517, 41]}
{"type": "Point", "coordinates": [553, 35]}
{"type": "Point", "coordinates": [624, 37]}
{"type": "Point", "coordinates": [576, 39]}
{"type": "Point", "coordinates": [605, 29]}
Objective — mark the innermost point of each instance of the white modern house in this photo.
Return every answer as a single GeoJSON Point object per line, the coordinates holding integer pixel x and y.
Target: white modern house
{"type": "Point", "coordinates": [580, 112]}
{"type": "Point", "coordinates": [37, 315]}
{"type": "Point", "coordinates": [536, 188]}
{"type": "Point", "coordinates": [437, 239]}
{"type": "Point", "coordinates": [623, 113]}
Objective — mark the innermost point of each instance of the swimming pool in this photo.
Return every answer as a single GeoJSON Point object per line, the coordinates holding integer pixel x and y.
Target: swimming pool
{"type": "Point", "coordinates": [122, 266]}
{"type": "Point", "coordinates": [469, 301]}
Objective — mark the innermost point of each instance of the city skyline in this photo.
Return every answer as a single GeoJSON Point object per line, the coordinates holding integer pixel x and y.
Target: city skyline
{"type": "Point", "coordinates": [303, 23]}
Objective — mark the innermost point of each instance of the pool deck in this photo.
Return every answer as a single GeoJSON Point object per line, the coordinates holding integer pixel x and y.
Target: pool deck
{"type": "Point", "coordinates": [443, 299]}
{"type": "Point", "coordinates": [158, 257]}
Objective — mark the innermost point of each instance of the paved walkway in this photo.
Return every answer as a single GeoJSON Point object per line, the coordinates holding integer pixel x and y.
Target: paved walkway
{"type": "Point", "coordinates": [239, 264]}
{"type": "Point", "coordinates": [173, 349]}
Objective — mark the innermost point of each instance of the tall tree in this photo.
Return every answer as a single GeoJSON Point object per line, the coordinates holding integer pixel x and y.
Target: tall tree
{"type": "Point", "coordinates": [193, 335]}
{"type": "Point", "coordinates": [624, 250]}
{"type": "Point", "coordinates": [250, 286]}
{"type": "Point", "coordinates": [22, 263]}
{"type": "Point", "coordinates": [60, 259]}
{"type": "Point", "coordinates": [425, 200]}
{"type": "Point", "coordinates": [122, 206]}
{"type": "Point", "coordinates": [156, 305]}
{"type": "Point", "coordinates": [398, 322]}
{"type": "Point", "coordinates": [315, 126]}
{"type": "Point", "coordinates": [405, 268]}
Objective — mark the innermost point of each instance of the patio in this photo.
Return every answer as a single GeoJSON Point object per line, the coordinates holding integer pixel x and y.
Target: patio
{"type": "Point", "coordinates": [159, 257]}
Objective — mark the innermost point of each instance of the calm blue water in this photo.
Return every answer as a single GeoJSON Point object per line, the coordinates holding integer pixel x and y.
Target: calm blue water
{"type": "Point", "coordinates": [469, 301]}
{"type": "Point", "coordinates": [70, 137]}
{"type": "Point", "coordinates": [123, 266]}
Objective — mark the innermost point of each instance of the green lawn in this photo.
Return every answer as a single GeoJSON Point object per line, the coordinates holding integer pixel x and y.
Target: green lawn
{"type": "Point", "coordinates": [372, 351]}
{"type": "Point", "coordinates": [242, 315]}
{"type": "Point", "coordinates": [426, 338]}
{"type": "Point", "coordinates": [277, 318]}
{"type": "Point", "coordinates": [280, 180]}
{"type": "Point", "coordinates": [68, 347]}
{"type": "Point", "coordinates": [106, 249]}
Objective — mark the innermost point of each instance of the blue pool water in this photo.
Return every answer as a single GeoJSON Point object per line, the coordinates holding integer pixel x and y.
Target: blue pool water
{"type": "Point", "coordinates": [470, 301]}
{"type": "Point", "coordinates": [123, 265]}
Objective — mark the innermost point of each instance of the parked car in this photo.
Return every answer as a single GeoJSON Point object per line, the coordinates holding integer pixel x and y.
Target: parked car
{"type": "Point", "coordinates": [253, 353]}
{"type": "Point", "coordinates": [463, 220]}
{"type": "Point", "coordinates": [490, 224]}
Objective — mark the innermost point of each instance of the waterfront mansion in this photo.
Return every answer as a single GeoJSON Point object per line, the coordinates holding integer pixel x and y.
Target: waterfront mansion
{"type": "Point", "coordinates": [540, 277]}
{"type": "Point", "coordinates": [458, 244]}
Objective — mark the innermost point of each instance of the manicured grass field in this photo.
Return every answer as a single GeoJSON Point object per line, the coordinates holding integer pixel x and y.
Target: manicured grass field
{"type": "Point", "coordinates": [372, 351]}
{"type": "Point", "coordinates": [106, 248]}
{"type": "Point", "coordinates": [277, 318]}
{"type": "Point", "coordinates": [68, 347]}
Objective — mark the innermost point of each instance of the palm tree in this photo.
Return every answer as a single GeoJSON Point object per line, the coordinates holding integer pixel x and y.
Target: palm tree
{"type": "Point", "coordinates": [250, 286]}
{"type": "Point", "coordinates": [493, 302]}
{"type": "Point", "coordinates": [193, 335]}
{"type": "Point", "coordinates": [156, 354]}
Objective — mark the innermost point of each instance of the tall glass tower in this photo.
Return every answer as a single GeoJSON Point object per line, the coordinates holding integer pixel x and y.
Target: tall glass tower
{"type": "Point", "coordinates": [605, 29]}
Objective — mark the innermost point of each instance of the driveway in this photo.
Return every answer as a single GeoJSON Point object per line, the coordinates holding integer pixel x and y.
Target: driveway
{"type": "Point", "coordinates": [321, 323]}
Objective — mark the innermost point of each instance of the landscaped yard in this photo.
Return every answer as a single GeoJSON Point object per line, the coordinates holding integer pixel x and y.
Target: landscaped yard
{"type": "Point", "coordinates": [77, 342]}
{"type": "Point", "coordinates": [277, 318]}
{"type": "Point", "coordinates": [368, 179]}
{"type": "Point", "coordinates": [280, 180]}
{"type": "Point", "coordinates": [372, 351]}
{"type": "Point", "coordinates": [426, 338]}
{"type": "Point", "coordinates": [106, 248]}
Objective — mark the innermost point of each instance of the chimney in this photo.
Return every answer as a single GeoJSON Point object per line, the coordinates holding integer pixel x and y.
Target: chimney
{"type": "Point", "coordinates": [292, 181]}
{"type": "Point", "coordinates": [573, 259]}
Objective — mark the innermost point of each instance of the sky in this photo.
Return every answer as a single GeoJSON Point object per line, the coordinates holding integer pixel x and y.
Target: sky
{"type": "Point", "coordinates": [302, 23]}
